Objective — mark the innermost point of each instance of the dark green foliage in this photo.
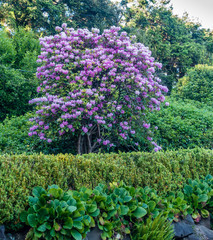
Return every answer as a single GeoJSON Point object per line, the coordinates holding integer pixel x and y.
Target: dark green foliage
{"type": "Point", "coordinates": [177, 43]}
{"type": "Point", "coordinates": [16, 45]}
{"type": "Point", "coordinates": [44, 16]}
{"type": "Point", "coordinates": [36, 14]}
{"type": "Point", "coordinates": [90, 13]}
{"type": "Point", "coordinates": [55, 214]}
{"type": "Point", "coordinates": [116, 209]}
{"type": "Point", "coordinates": [183, 124]}
{"type": "Point", "coordinates": [199, 194]}
{"type": "Point", "coordinates": [117, 205]}
{"type": "Point", "coordinates": [14, 139]}
{"type": "Point", "coordinates": [197, 84]}
{"type": "Point", "coordinates": [18, 54]}
{"type": "Point", "coordinates": [165, 172]}
{"type": "Point", "coordinates": [159, 228]}
{"type": "Point", "coordinates": [15, 92]}
{"type": "Point", "coordinates": [27, 50]}
{"type": "Point", "coordinates": [7, 49]}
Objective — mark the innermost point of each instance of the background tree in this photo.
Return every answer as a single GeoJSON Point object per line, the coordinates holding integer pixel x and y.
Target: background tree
{"type": "Point", "coordinates": [177, 43]}
{"type": "Point", "coordinates": [92, 13]}
{"type": "Point", "coordinates": [44, 16]}
{"type": "Point", "coordinates": [36, 14]}
{"type": "Point", "coordinates": [18, 54]}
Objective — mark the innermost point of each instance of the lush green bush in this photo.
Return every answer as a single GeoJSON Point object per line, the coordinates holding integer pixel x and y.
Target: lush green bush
{"type": "Point", "coordinates": [15, 92]}
{"type": "Point", "coordinates": [18, 54]}
{"type": "Point", "coordinates": [197, 84]}
{"type": "Point", "coordinates": [14, 138]}
{"type": "Point", "coordinates": [183, 124]}
{"type": "Point", "coordinates": [164, 171]}
{"type": "Point", "coordinates": [7, 49]}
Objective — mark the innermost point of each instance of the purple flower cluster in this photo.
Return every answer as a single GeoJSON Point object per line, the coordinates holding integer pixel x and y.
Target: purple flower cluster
{"type": "Point", "coordinates": [88, 79]}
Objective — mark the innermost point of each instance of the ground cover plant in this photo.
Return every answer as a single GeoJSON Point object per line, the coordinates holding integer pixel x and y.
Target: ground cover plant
{"type": "Point", "coordinates": [116, 209]}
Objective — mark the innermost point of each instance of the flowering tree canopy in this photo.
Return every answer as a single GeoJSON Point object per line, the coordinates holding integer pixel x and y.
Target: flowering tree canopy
{"type": "Point", "coordinates": [96, 86]}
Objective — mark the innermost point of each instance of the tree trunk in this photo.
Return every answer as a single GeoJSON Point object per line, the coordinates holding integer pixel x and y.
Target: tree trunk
{"type": "Point", "coordinates": [84, 144]}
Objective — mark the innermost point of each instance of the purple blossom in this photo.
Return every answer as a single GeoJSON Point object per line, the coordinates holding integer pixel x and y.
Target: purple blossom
{"type": "Point", "coordinates": [106, 142]}
{"type": "Point", "coordinates": [146, 125]}
{"type": "Point", "coordinates": [41, 123]}
{"type": "Point", "coordinates": [85, 129]}
{"type": "Point", "coordinates": [102, 63]}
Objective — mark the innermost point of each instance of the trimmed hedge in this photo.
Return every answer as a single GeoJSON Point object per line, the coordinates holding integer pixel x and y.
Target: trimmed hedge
{"type": "Point", "coordinates": [164, 171]}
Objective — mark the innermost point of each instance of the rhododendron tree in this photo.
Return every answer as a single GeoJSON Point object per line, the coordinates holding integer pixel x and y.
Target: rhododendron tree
{"type": "Point", "coordinates": [95, 86]}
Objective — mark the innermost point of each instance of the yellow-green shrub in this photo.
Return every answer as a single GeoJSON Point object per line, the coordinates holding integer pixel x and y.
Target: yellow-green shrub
{"type": "Point", "coordinates": [163, 171]}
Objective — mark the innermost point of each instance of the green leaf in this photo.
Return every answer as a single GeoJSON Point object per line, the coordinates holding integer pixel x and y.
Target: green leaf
{"type": "Point", "coordinates": [76, 234]}
{"type": "Point", "coordinates": [32, 220]}
{"type": "Point", "coordinates": [88, 218]}
{"type": "Point", "coordinates": [42, 228]}
{"type": "Point", "coordinates": [151, 205]}
{"type": "Point", "coordinates": [127, 198]}
{"type": "Point", "coordinates": [91, 208]}
{"type": "Point", "coordinates": [37, 234]}
{"type": "Point", "coordinates": [101, 220]}
{"type": "Point", "coordinates": [139, 212]}
{"type": "Point", "coordinates": [76, 214]}
{"type": "Point", "coordinates": [71, 208]}
{"type": "Point", "coordinates": [68, 223]}
{"type": "Point", "coordinates": [204, 213]}
{"type": "Point", "coordinates": [64, 232]}
{"type": "Point", "coordinates": [32, 200]}
{"type": "Point", "coordinates": [127, 231]}
{"type": "Point", "coordinates": [203, 198]}
{"type": "Point", "coordinates": [48, 226]}
{"type": "Point", "coordinates": [38, 191]}
{"type": "Point", "coordinates": [53, 186]}
{"type": "Point", "coordinates": [124, 209]}
{"type": "Point", "coordinates": [188, 190]}
{"type": "Point", "coordinates": [23, 216]}
{"type": "Point", "coordinates": [52, 232]}
{"type": "Point", "coordinates": [56, 193]}
{"type": "Point", "coordinates": [77, 224]}
{"type": "Point", "coordinates": [96, 213]}
{"type": "Point", "coordinates": [43, 215]}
